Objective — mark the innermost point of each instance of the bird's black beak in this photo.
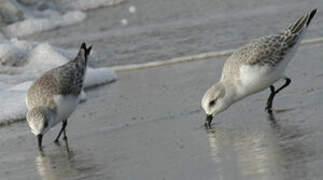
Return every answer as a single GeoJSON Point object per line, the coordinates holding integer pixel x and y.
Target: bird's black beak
{"type": "Point", "coordinates": [208, 120]}
{"type": "Point", "coordinates": [40, 138]}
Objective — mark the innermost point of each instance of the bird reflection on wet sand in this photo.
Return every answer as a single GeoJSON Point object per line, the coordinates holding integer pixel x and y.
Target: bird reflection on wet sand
{"type": "Point", "coordinates": [251, 151]}
{"type": "Point", "coordinates": [59, 165]}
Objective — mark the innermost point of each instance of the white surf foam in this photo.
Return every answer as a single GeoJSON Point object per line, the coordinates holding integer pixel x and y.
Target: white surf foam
{"type": "Point", "coordinates": [29, 17]}
{"type": "Point", "coordinates": [92, 4]}
{"type": "Point", "coordinates": [36, 25]}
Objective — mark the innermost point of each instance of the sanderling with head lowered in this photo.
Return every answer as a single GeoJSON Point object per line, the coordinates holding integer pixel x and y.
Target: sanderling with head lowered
{"type": "Point", "coordinates": [254, 67]}
{"type": "Point", "coordinates": [54, 96]}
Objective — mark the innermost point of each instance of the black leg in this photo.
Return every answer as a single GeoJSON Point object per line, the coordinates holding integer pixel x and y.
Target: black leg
{"type": "Point", "coordinates": [40, 138]}
{"type": "Point", "coordinates": [64, 123]}
{"type": "Point", "coordinates": [273, 93]}
{"type": "Point", "coordinates": [65, 137]}
{"type": "Point", "coordinates": [66, 143]}
{"type": "Point", "coordinates": [287, 82]}
{"type": "Point", "coordinates": [270, 100]}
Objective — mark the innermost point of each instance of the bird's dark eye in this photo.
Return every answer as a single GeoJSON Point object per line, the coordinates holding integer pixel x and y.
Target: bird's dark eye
{"type": "Point", "coordinates": [212, 103]}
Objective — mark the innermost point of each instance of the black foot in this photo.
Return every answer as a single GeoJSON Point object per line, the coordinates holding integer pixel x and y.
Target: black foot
{"type": "Point", "coordinates": [207, 125]}
{"type": "Point", "coordinates": [57, 142]}
{"type": "Point", "coordinates": [208, 121]}
{"type": "Point", "coordinates": [269, 110]}
{"type": "Point", "coordinates": [67, 145]}
{"type": "Point", "coordinates": [273, 92]}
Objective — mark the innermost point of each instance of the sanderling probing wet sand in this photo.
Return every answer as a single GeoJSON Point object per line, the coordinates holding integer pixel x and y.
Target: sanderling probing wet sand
{"type": "Point", "coordinates": [54, 96]}
{"type": "Point", "coordinates": [255, 67]}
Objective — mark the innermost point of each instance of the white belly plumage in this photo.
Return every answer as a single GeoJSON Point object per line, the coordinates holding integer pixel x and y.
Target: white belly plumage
{"type": "Point", "coordinates": [66, 104]}
{"type": "Point", "coordinates": [257, 78]}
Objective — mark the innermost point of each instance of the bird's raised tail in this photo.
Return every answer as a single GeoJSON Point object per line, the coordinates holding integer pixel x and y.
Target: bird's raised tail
{"type": "Point", "coordinates": [86, 50]}
{"type": "Point", "coordinates": [83, 54]}
{"type": "Point", "coordinates": [302, 22]}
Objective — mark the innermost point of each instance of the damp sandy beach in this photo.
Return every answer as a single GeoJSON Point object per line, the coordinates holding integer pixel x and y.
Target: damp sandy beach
{"type": "Point", "coordinates": [148, 125]}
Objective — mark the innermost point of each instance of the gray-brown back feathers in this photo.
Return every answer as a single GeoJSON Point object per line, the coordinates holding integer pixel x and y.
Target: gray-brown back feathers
{"type": "Point", "coordinates": [63, 80]}
{"type": "Point", "coordinates": [272, 49]}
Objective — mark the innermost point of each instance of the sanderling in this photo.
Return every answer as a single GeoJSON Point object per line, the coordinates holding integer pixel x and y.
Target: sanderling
{"type": "Point", "coordinates": [254, 67]}
{"type": "Point", "coordinates": [54, 96]}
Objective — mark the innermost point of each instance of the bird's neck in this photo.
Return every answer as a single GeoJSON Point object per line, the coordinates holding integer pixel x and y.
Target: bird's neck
{"type": "Point", "coordinates": [231, 92]}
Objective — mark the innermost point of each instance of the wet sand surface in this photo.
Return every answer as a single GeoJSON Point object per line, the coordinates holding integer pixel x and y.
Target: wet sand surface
{"type": "Point", "coordinates": [148, 125]}
{"type": "Point", "coordinates": [164, 29]}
